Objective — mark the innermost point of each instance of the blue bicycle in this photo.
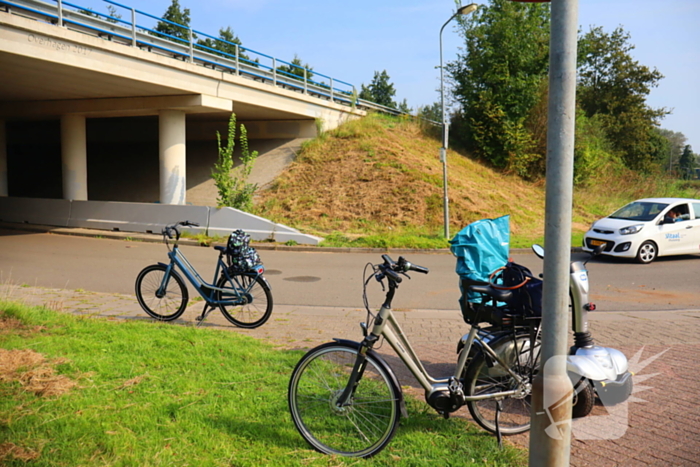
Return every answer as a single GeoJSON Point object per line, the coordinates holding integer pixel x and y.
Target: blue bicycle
{"type": "Point", "coordinates": [241, 291]}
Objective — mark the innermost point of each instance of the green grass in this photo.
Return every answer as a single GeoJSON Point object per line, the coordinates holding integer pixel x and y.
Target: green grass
{"type": "Point", "coordinates": [387, 240]}
{"type": "Point", "coordinates": [151, 394]}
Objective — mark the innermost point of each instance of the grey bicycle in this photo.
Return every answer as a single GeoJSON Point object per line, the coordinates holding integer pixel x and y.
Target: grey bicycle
{"type": "Point", "coordinates": [241, 293]}
{"type": "Point", "coordinates": [345, 399]}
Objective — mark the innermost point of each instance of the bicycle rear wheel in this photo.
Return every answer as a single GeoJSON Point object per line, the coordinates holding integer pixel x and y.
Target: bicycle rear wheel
{"type": "Point", "coordinates": [166, 306]}
{"type": "Point", "coordinates": [361, 428]}
{"type": "Point", "coordinates": [485, 377]}
{"type": "Point", "coordinates": [257, 295]}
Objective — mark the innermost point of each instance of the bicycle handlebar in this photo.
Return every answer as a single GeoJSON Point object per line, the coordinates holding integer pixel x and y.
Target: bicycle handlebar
{"type": "Point", "coordinates": [392, 268]}
{"type": "Point", "coordinates": [168, 229]}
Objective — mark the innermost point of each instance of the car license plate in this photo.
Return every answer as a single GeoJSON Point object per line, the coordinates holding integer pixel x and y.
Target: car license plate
{"type": "Point", "coordinates": [597, 242]}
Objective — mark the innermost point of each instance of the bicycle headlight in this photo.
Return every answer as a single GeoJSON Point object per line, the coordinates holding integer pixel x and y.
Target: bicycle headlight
{"type": "Point", "coordinates": [632, 229]}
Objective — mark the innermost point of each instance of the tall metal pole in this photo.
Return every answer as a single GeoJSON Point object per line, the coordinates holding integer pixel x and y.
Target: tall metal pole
{"type": "Point", "coordinates": [552, 385]}
{"type": "Point", "coordinates": [463, 10]}
{"type": "Point", "coordinates": [443, 149]}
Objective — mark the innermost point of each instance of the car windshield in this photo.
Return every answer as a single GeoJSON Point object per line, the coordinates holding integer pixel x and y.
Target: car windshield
{"type": "Point", "coordinates": [639, 211]}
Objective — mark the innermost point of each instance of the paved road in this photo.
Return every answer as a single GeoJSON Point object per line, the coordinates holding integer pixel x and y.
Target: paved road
{"type": "Point", "coordinates": [326, 278]}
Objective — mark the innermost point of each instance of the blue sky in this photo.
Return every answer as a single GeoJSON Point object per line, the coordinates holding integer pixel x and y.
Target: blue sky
{"type": "Point", "coordinates": [351, 40]}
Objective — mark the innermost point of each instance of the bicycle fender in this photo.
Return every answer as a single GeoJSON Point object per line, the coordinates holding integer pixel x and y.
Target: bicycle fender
{"type": "Point", "coordinates": [265, 281]}
{"type": "Point", "coordinates": [386, 367]}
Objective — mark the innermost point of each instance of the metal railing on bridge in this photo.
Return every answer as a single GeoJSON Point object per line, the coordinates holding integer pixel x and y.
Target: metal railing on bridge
{"type": "Point", "coordinates": [244, 62]}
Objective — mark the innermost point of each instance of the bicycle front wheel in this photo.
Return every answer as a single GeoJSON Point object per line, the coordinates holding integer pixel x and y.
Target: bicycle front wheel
{"type": "Point", "coordinates": [165, 305]}
{"type": "Point", "coordinates": [255, 294]}
{"type": "Point", "coordinates": [362, 427]}
{"type": "Point", "coordinates": [484, 377]}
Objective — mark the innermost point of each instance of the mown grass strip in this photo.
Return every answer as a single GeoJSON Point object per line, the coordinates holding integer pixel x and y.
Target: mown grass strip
{"type": "Point", "coordinates": [151, 394]}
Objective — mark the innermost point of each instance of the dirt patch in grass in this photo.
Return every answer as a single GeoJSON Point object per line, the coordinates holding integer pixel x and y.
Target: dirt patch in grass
{"type": "Point", "coordinates": [16, 327]}
{"type": "Point", "coordinates": [30, 369]}
{"type": "Point", "coordinates": [16, 452]}
{"type": "Point", "coordinates": [33, 372]}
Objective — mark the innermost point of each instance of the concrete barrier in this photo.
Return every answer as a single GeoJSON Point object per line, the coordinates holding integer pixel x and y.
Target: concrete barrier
{"type": "Point", "coordinates": [35, 211]}
{"type": "Point", "coordinates": [222, 221]}
{"type": "Point", "coordinates": [145, 217]}
{"type": "Point", "coordinates": [135, 217]}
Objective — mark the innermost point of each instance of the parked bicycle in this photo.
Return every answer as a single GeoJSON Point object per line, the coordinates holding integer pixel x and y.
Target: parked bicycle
{"type": "Point", "coordinates": [345, 399]}
{"type": "Point", "coordinates": [238, 289]}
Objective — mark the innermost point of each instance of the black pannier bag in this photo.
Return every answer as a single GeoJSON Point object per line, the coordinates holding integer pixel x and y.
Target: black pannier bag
{"type": "Point", "coordinates": [525, 301]}
{"type": "Point", "coordinates": [526, 289]}
{"type": "Point", "coordinates": [241, 256]}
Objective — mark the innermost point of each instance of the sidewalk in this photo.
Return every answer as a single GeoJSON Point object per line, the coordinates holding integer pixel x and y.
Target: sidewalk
{"type": "Point", "coordinates": [663, 419]}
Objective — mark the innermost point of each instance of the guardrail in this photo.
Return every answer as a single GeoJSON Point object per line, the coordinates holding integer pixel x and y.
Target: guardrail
{"type": "Point", "coordinates": [245, 62]}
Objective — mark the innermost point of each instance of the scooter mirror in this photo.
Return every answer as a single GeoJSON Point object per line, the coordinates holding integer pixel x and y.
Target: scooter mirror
{"type": "Point", "coordinates": [596, 251]}
{"type": "Point", "coordinates": [539, 251]}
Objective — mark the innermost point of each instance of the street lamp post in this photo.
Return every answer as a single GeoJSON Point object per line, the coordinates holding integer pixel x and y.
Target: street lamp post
{"type": "Point", "coordinates": [464, 10]}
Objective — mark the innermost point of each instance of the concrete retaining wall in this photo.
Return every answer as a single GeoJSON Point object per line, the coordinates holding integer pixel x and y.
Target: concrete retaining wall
{"type": "Point", "coordinates": [221, 220]}
{"type": "Point", "coordinates": [35, 211]}
{"type": "Point", "coordinates": [144, 217]}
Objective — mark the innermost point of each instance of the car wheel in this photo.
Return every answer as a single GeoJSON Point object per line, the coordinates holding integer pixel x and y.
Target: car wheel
{"type": "Point", "coordinates": [647, 253]}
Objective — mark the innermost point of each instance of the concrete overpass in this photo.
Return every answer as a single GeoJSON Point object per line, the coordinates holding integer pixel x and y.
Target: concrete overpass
{"type": "Point", "coordinates": [95, 108]}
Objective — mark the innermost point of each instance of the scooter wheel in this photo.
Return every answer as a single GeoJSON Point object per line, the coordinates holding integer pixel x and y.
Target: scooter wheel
{"type": "Point", "coordinates": [584, 399]}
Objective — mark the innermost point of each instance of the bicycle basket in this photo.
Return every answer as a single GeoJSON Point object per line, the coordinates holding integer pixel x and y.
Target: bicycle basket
{"type": "Point", "coordinates": [240, 255]}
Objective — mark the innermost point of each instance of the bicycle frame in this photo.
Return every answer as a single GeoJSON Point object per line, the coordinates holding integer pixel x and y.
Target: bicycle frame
{"type": "Point", "coordinates": [205, 289]}
{"type": "Point", "coordinates": [386, 326]}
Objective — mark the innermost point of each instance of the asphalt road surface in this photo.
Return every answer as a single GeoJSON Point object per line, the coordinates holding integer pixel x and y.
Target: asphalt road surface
{"type": "Point", "coordinates": [328, 279]}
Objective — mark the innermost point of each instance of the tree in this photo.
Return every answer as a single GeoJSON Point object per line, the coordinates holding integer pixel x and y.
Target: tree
{"type": "Point", "coordinates": [296, 69]}
{"type": "Point", "coordinates": [226, 43]}
{"type": "Point", "coordinates": [432, 112]}
{"type": "Point", "coordinates": [113, 15]}
{"type": "Point", "coordinates": [686, 164]}
{"type": "Point", "coordinates": [676, 144]}
{"type": "Point", "coordinates": [614, 85]}
{"type": "Point", "coordinates": [380, 90]}
{"type": "Point", "coordinates": [175, 15]}
{"type": "Point", "coordinates": [499, 80]}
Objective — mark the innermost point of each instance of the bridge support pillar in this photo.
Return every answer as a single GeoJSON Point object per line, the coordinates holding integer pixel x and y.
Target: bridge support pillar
{"type": "Point", "coordinates": [3, 159]}
{"type": "Point", "coordinates": [172, 156]}
{"type": "Point", "coordinates": [74, 157]}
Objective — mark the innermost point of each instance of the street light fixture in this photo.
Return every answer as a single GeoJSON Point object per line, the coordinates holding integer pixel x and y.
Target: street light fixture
{"type": "Point", "coordinates": [463, 10]}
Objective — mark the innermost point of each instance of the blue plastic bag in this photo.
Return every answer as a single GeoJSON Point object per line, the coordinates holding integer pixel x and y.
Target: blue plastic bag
{"type": "Point", "coordinates": [481, 248]}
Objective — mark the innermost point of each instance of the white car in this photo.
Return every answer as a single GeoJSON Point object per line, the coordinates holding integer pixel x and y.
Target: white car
{"type": "Point", "coordinates": [645, 229]}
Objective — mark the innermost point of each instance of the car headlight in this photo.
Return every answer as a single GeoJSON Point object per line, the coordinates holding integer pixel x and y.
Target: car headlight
{"type": "Point", "coordinates": [632, 229]}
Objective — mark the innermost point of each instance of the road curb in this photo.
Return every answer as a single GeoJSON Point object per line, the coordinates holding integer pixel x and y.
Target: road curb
{"type": "Point", "coordinates": [157, 238]}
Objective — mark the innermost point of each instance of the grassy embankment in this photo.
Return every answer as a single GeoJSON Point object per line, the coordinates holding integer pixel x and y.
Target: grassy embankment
{"type": "Point", "coordinates": [81, 391]}
{"type": "Point", "coordinates": [378, 182]}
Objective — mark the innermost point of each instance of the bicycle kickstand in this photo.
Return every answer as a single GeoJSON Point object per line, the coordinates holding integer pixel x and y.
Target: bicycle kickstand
{"type": "Point", "coordinates": [200, 319]}
{"type": "Point", "coordinates": [499, 407]}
